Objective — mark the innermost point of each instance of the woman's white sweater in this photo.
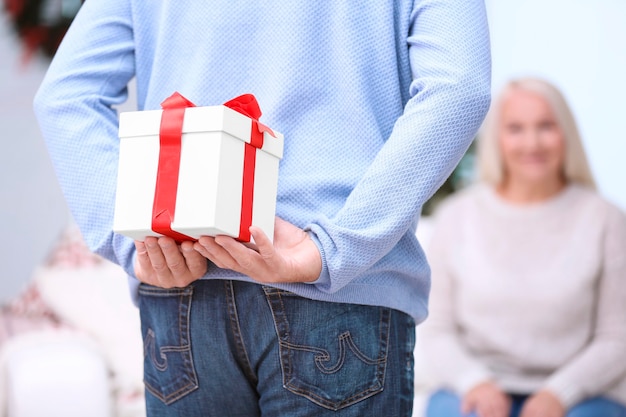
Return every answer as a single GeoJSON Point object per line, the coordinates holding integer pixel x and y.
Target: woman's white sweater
{"type": "Point", "coordinates": [529, 296]}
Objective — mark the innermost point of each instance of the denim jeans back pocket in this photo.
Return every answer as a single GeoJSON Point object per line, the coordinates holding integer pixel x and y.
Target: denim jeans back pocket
{"type": "Point", "coordinates": [169, 372]}
{"type": "Point", "coordinates": [333, 354]}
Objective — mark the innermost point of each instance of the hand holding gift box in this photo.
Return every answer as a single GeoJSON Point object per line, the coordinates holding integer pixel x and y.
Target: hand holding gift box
{"type": "Point", "coordinates": [187, 171]}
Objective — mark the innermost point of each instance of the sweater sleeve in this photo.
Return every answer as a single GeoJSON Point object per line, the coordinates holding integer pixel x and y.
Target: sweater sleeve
{"type": "Point", "coordinates": [74, 106]}
{"type": "Point", "coordinates": [449, 361]}
{"type": "Point", "coordinates": [601, 364]}
{"type": "Point", "coordinates": [449, 97]}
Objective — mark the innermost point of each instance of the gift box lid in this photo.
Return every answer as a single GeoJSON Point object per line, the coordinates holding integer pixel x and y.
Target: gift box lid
{"type": "Point", "coordinates": [199, 119]}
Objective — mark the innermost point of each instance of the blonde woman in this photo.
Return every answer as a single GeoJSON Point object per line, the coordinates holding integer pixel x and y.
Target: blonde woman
{"type": "Point", "coordinates": [528, 304]}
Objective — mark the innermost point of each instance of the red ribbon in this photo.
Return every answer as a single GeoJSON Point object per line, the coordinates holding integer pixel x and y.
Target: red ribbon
{"type": "Point", "coordinates": [170, 140]}
{"type": "Point", "coordinates": [247, 105]}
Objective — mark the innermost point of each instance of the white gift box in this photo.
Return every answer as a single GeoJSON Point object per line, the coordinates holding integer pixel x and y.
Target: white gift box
{"type": "Point", "coordinates": [209, 195]}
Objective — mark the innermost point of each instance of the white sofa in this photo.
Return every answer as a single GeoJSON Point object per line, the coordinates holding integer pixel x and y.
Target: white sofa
{"type": "Point", "coordinates": [56, 373]}
{"type": "Point", "coordinates": [92, 365]}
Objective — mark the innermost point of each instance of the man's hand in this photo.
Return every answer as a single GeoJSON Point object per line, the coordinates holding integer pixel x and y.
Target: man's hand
{"type": "Point", "coordinates": [293, 257]}
{"type": "Point", "coordinates": [543, 403]}
{"type": "Point", "coordinates": [486, 400]}
{"type": "Point", "coordinates": [163, 263]}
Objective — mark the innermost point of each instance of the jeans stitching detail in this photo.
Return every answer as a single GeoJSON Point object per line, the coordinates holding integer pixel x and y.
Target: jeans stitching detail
{"type": "Point", "coordinates": [184, 317]}
{"type": "Point", "coordinates": [233, 317]}
{"type": "Point", "coordinates": [150, 349]}
{"type": "Point", "coordinates": [347, 337]}
{"type": "Point", "coordinates": [282, 328]}
{"type": "Point", "coordinates": [151, 291]}
{"type": "Point", "coordinates": [373, 390]}
{"type": "Point", "coordinates": [322, 355]}
{"type": "Point", "coordinates": [273, 296]}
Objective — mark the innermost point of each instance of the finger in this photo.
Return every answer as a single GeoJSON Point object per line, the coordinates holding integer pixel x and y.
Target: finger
{"type": "Point", "coordinates": [215, 252]}
{"type": "Point", "coordinates": [528, 409]}
{"type": "Point", "coordinates": [498, 408]}
{"type": "Point", "coordinates": [484, 410]}
{"type": "Point", "coordinates": [242, 257]}
{"type": "Point", "coordinates": [196, 263]}
{"type": "Point", "coordinates": [157, 260]}
{"type": "Point", "coordinates": [174, 259]}
{"type": "Point", "coordinates": [264, 245]}
{"type": "Point", "coordinates": [143, 267]}
{"type": "Point", "coordinates": [272, 261]}
{"type": "Point", "coordinates": [524, 412]}
{"type": "Point", "coordinates": [200, 246]}
{"type": "Point", "coordinates": [503, 407]}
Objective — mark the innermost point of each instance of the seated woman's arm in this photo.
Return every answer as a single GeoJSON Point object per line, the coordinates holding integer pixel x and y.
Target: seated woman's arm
{"type": "Point", "coordinates": [603, 362]}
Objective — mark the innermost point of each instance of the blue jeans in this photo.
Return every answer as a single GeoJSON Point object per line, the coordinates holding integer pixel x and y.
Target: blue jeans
{"type": "Point", "coordinates": [230, 348]}
{"type": "Point", "coordinates": [444, 403]}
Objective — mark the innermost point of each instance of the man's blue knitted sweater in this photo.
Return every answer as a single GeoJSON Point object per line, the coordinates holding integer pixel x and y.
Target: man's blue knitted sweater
{"type": "Point", "coordinates": [378, 100]}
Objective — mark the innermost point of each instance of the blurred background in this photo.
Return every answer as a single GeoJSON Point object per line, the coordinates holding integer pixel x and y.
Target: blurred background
{"type": "Point", "coordinates": [580, 46]}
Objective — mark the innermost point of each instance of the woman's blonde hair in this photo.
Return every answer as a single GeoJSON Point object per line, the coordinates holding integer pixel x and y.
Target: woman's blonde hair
{"type": "Point", "coordinates": [490, 166]}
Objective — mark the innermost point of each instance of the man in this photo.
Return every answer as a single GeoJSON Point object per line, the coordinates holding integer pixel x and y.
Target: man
{"type": "Point", "coordinates": [377, 101]}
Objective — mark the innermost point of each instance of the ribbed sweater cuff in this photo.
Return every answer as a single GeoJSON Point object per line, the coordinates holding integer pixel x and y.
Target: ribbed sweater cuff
{"type": "Point", "coordinates": [568, 393]}
{"type": "Point", "coordinates": [323, 281]}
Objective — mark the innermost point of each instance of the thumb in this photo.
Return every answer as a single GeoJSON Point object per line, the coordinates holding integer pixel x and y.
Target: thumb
{"type": "Point", "coordinates": [263, 243]}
